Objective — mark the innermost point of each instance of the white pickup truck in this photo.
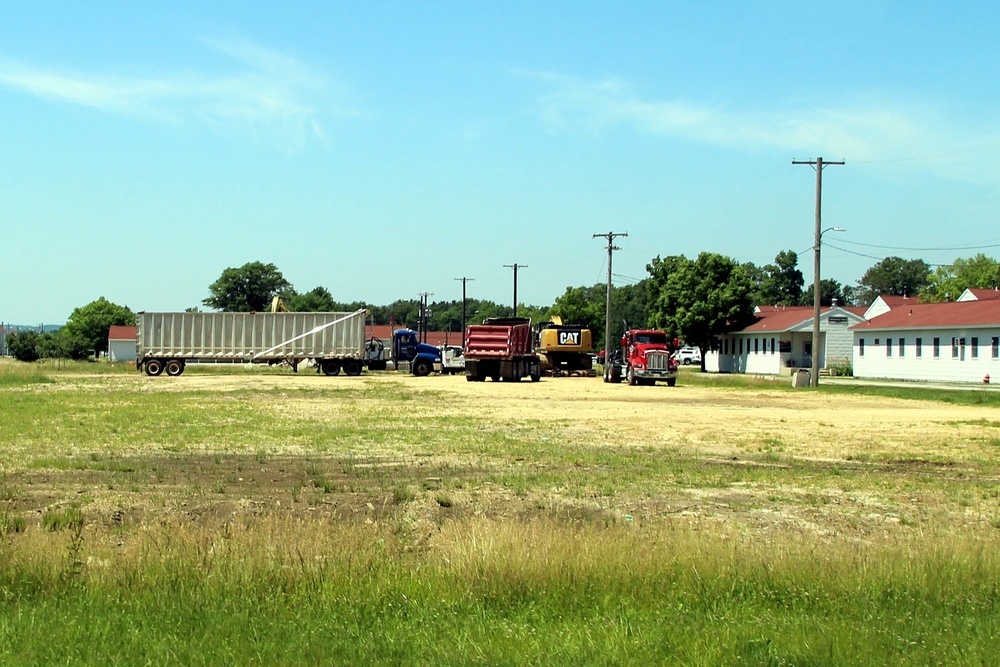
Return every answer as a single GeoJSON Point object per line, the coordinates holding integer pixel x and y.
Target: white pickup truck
{"type": "Point", "coordinates": [452, 359]}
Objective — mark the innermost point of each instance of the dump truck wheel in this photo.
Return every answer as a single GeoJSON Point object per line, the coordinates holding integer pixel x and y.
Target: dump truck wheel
{"type": "Point", "coordinates": [331, 367]}
{"type": "Point", "coordinates": [421, 368]}
{"type": "Point", "coordinates": [352, 367]}
{"type": "Point", "coordinates": [671, 382]}
{"type": "Point", "coordinates": [630, 377]}
{"type": "Point", "coordinates": [174, 367]}
{"type": "Point", "coordinates": [154, 367]}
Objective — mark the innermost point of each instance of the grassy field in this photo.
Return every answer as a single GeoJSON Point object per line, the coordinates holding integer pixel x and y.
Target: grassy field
{"type": "Point", "coordinates": [235, 516]}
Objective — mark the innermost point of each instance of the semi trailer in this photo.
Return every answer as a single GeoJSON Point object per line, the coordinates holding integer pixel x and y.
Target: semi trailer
{"type": "Point", "coordinates": [334, 342]}
{"type": "Point", "coordinates": [166, 342]}
{"type": "Point", "coordinates": [501, 348]}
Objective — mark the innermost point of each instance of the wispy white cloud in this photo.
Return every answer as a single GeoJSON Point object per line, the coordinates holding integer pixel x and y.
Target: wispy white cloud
{"type": "Point", "coordinates": [262, 92]}
{"type": "Point", "coordinates": [870, 131]}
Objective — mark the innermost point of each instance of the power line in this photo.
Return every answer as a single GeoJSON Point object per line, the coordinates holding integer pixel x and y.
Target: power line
{"type": "Point", "coordinates": [628, 278]}
{"type": "Point", "coordinates": [875, 257]}
{"type": "Point", "coordinates": [889, 247]}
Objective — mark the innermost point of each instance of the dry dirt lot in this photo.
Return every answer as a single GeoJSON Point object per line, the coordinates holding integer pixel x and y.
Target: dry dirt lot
{"type": "Point", "coordinates": [577, 448]}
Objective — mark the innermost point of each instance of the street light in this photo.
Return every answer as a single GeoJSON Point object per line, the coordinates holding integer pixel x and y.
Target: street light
{"type": "Point", "coordinates": [814, 375]}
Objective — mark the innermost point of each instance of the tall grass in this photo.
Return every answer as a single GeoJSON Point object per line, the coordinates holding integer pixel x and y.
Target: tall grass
{"type": "Point", "coordinates": [495, 592]}
{"type": "Point", "coordinates": [15, 375]}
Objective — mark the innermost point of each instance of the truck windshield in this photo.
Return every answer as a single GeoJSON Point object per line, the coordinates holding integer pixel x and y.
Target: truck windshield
{"type": "Point", "coordinates": [651, 339]}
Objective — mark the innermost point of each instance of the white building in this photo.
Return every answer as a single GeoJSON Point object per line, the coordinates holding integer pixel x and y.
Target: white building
{"type": "Point", "coordinates": [121, 343]}
{"type": "Point", "coordinates": [781, 340]}
{"type": "Point", "coordinates": [944, 342]}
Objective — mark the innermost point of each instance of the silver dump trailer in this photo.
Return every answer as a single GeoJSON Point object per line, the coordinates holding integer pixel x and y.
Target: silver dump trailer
{"type": "Point", "coordinates": [167, 341]}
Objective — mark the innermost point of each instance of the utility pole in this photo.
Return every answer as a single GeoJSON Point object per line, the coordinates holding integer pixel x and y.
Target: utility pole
{"type": "Point", "coordinates": [515, 267]}
{"type": "Point", "coordinates": [610, 236]}
{"type": "Point", "coordinates": [422, 325]}
{"type": "Point", "coordinates": [464, 280]}
{"type": "Point", "coordinates": [818, 164]}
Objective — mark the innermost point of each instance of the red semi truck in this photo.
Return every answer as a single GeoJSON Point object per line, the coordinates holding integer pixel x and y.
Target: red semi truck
{"type": "Point", "coordinates": [501, 347]}
{"type": "Point", "coordinates": [648, 357]}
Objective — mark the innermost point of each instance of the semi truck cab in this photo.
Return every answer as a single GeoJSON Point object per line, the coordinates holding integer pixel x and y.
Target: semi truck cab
{"type": "Point", "coordinates": [406, 346]}
{"type": "Point", "coordinates": [648, 357]}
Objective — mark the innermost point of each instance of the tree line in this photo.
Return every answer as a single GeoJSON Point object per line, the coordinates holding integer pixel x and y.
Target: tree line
{"type": "Point", "coordinates": [695, 300]}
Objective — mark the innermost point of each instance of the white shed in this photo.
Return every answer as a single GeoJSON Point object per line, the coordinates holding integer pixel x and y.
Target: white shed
{"type": "Point", "coordinates": [121, 343]}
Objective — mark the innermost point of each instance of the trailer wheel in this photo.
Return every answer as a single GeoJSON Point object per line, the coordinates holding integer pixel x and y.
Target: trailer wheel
{"type": "Point", "coordinates": [331, 367]}
{"type": "Point", "coordinates": [352, 367]}
{"type": "Point", "coordinates": [535, 374]}
{"type": "Point", "coordinates": [174, 367]}
{"type": "Point", "coordinates": [671, 382]}
{"type": "Point", "coordinates": [630, 377]}
{"type": "Point", "coordinates": [421, 368]}
{"type": "Point", "coordinates": [154, 367]}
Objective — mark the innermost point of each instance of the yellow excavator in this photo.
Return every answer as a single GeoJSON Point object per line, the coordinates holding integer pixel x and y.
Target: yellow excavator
{"type": "Point", "coordinates": [565, 349]}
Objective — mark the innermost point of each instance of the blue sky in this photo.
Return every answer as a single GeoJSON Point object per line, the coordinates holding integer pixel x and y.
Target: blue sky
{"type": "Point", "coordinates": [383, 149]}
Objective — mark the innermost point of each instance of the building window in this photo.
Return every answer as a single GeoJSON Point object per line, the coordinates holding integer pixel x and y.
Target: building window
{"type": "Point", "coordinates": [996, 346]}
{"type": "Point", "coordinates": [937, 347]}
{"type": "Point", "coordinates": [756, 345]}
{"type": "Point", "coordinates": [957, 343]}
{"type": "Point", "coordinates": [725, 346]}
{"type": "Point", "coordinates": [888, 347]}
{"type": "Point", "coordinates": [920, 347]}
{"type": "Point", "coordinates": [876, 341]}
{"type": "Point", "coordinates": [902, 347]}
{"type": "Point", "coordinates": [741, 346]}
{"type": "Point", "coordinates": [861, 347]}
{"type": "Point", "coordinates": [772, 346]}
{"type": "Point", "coordinates": [974, 347]}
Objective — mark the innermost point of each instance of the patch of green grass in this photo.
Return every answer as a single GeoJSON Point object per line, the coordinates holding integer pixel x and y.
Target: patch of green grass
{"type": "Point", "coordinates": [957, 396]}
{"type": "Point", "coordinates": [65, 518]}
{"type": "Point", "coordinates": [23, 375]}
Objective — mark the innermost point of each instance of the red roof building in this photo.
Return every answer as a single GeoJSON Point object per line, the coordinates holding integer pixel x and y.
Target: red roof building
{"type": "Point", "coordinates": [781, 339]}
{"type": "Point", "coordinates": [955, 341]}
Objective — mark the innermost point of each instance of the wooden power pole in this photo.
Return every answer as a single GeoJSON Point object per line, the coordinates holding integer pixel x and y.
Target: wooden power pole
{"type": "Point", "coordinates": [818, 164]}
{"type": "Point", "coordinates": [610, 236]}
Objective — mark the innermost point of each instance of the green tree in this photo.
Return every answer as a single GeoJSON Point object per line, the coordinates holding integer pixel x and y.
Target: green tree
{"type": "Point", "coordinates": [829, 290]}
{"type": "Point", "coordinates": [64, 344]}
{"type": "Point", "coordinates": [23, 345]}
{"type": "Point", "coordinates": [248, 288]}
{"type": "Point", "coordinates": [893, 276]}
{"type": "Point", "coordinates": [630, 304]}
{"type": "Point", "coordinates": [781, 282]}
{"type": "Point", "coordinates": [583, 305]}
{"type": "Point", "coordinates": [88, 325]}
{"type": "Point", "coordinates": [316, 300]}
{"type": "Point", "coordinates": [588, 306]}
{"type": "Point", "coordinates": [699, 300]}
{"type": "Point", "coordinates": [948, 282]}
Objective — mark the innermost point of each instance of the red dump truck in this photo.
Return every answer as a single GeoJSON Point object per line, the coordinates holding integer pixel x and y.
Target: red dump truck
{"type": "Point", "coordinates": [501, 348]}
